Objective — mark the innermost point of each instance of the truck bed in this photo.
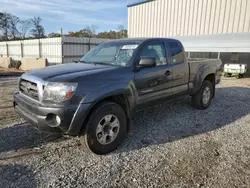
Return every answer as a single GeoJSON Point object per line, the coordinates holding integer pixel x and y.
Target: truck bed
{"type": "Point", "coordinates": [193, 60]}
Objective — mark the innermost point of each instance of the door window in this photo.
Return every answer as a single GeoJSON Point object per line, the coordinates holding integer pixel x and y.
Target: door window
{"type": "Point", "coordinates": [157, 51]}
{"type": "Point", "coordinates": [176, 52]}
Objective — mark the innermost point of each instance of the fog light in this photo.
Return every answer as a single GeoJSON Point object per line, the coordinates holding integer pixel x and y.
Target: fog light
{"type": "Point", "coordinates": [53, 120]}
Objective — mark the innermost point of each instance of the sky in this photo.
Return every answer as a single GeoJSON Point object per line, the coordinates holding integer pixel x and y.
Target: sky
{"type": "Point", "coordinates": [71, 15]}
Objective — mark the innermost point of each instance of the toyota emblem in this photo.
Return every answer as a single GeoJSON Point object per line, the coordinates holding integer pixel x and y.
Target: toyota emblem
{"type": "Point", "coordinates": [28, 86]}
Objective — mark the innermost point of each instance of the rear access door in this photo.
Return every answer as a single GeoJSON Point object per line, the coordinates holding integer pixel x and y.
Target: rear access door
{"type": "Point", "coordinates": [180, 67]}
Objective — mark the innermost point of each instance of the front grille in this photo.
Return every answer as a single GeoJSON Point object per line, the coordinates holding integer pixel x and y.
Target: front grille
{"type": "Point", "coordinates": [29, 88]}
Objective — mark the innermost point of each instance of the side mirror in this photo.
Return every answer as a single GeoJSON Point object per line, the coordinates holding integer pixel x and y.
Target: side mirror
{"type": "Point", "coordinates": [147, 62]}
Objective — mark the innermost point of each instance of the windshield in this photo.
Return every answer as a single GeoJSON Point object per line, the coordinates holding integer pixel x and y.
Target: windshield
{"type": "Point", "coordinates": [116, 54]}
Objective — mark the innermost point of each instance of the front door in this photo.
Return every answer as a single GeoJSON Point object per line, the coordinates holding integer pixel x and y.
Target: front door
{"type": "Point", "coordinates": [154, 82]}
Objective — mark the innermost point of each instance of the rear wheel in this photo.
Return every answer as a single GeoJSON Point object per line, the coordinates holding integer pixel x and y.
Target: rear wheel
{"type": "Point", "coordinates": [202, 99]}
{"type": "Point", "coordinates": [105, 129]}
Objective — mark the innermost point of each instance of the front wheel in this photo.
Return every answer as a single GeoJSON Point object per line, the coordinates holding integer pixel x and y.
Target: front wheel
{"type": "Point", "coordinates": [105, 129]}
{"type": "Point", "coordinates": [202, 99]}
{"type": "Point", "coordinates": [240, 76]}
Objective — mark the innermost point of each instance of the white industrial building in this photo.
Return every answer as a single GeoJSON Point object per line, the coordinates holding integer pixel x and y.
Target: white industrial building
{"type": "Point", "coordinates": [207, 28]}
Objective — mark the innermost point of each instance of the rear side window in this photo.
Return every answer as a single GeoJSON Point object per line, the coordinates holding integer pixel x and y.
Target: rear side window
{"type": "Point", "coordinates": [176, 52]}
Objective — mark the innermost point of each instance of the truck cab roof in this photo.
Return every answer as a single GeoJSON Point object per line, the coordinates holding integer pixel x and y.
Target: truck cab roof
{"type": "Point", "coordinates": [140, 40]}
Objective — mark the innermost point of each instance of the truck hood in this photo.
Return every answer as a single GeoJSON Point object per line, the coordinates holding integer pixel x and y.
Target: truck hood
{"type": "Point", "coordinates": [69, 70]}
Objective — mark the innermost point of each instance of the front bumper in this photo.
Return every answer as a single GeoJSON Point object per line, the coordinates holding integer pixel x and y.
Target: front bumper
{"type": "Point", "coordinates": [217, 77]}
{"type": "Point", "coordinates": [71, 116]}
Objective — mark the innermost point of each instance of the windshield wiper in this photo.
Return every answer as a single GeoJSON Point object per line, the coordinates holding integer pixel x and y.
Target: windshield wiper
{"type": "Point", "coordinates": [101, 63]}
{"type": "Point", "coordinates": [80, 61]}
{"type": "Point", "coordinates": [97, 63]}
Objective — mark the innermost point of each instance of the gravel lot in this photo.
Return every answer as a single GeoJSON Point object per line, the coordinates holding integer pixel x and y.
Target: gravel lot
{"type": "Point", "coordinates": [171, 145]}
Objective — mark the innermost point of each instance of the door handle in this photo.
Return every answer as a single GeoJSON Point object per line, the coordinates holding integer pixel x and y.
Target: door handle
{"type": "Point", "coordinates": [167, 73]}
{"type": "Point", "coordinates": [153, 83]}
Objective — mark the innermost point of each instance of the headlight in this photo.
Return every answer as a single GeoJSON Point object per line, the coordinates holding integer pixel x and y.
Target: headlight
{"type": "Point", "coordinates": [59, 92]}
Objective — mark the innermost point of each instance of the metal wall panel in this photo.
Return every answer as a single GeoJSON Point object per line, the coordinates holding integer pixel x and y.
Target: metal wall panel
{"type": "Point", "coordinates": [51, 49]}
{"type": "Point", "coordinates": [164, 18]}
{"type": "Point", "coordinates": [55, 50]}
{"type": "Point", "coordinates": [74, 48]}
{"type": "Point", "coordinates": [14, 49]}
{"type": "Point", "coordinates": [30, 48]}
{"type": "Point", "coordinates": [3, 48]}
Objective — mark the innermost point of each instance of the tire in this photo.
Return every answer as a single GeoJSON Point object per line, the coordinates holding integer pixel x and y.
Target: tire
{"type": "Point", "coordinates": [99, 127]}
{"type": "Point", "coordinates": [198, 100]}
{"type": "Point", "coordinates": [239, 76]}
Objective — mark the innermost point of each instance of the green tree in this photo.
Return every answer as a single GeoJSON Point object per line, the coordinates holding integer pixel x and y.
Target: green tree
{"type": "Point", "coordinates": [51, 35]}
{"type": "Point", "coordinates": [89, 31]}
{"type": "Point", "coordinates": [122, 33]}
{"type": "Point", "coordinates": [82, 33]}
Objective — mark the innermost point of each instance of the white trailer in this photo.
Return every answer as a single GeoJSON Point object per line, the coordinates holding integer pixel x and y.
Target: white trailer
{"type": "Point", "coordinates": [235, 70]}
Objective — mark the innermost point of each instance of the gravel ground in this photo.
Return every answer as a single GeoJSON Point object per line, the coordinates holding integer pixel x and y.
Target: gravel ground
{"type": "Point", "coordinates": [171, 145]}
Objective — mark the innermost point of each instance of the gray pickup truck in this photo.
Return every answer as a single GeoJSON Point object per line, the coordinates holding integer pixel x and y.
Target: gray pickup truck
{"type": "Point", "coordinates": [96, 97]}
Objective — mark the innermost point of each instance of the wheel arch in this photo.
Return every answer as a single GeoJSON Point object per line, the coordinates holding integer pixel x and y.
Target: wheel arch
{"type": "Point", "coordinates": [211, 78]}
{"type": "Point", "coordinates": [119, 98]}
{"type": "Point", "coordinates": [206, 74]}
